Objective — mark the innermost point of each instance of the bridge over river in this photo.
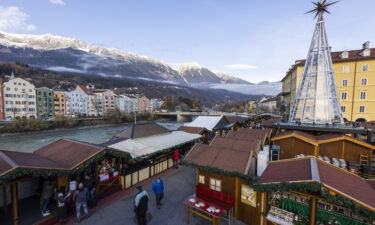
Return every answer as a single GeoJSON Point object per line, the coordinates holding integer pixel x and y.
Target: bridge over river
{"type": "Point", "coordinates": [187, 116]}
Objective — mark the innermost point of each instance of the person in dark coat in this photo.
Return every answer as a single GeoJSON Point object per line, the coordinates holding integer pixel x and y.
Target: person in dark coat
{"type": "Point", "coordinates": [158, 189]}
{"type": "Point", "coordinates": [61, 197]}
{"type": "Point", "coordinates": [141, 205]}
{"type": "Point", "coordinates": [90, 184]}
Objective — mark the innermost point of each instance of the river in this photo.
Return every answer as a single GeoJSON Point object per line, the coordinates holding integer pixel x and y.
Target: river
{"type": "Point", "coordinates": [28, 142]}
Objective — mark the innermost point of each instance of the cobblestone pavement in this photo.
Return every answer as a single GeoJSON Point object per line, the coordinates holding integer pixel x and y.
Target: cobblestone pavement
{"type": "Point", "coordinates": [179, 184]}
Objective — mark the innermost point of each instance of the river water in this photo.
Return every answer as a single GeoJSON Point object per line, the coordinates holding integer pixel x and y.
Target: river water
{"type": "Point", "coordinates": [28, 142]}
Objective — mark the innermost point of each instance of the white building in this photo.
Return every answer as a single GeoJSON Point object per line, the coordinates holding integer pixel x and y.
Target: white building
{"type": "Point", "coordinates": [120, 102]}
{"type": "Point", "coordinates": [19, 99]}
{"type": "Point", "coordinates": [76, 103]}
{"type": "Point", "coordinates": [155, 104]}
{"type": "Point", "coordinates": [133, 104]}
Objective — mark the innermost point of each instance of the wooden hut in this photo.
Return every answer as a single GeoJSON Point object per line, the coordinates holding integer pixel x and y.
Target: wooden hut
{"type": "Point", "coordinates": [216, 125]}
{"type": "Point", "coordinates": [196, 130]}
{"type": "Point", "coordinates": [311, 191]}
{"type": "Point", "coordinates": [223, 170]}
{"type": "Point", "coordinates": [239, 121]}
{"type": "Point", "coordinates": [338, 146]}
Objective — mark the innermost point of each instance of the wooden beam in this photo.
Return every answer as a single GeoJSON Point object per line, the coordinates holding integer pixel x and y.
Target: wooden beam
{"type": "Point", "coordinates": [313, 211]}
{"type": "Point", "coordinates": [236, 198]}
{"type": "Point", "coordinates": [15, 203]}
{"type": "Point", "coordinates": [263, 205]}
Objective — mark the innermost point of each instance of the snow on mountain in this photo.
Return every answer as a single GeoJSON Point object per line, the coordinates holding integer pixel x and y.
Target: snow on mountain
{"type": "Point", "coordinates": [193, 73]}
{"type": "Point", "coordinates": [70, 55]}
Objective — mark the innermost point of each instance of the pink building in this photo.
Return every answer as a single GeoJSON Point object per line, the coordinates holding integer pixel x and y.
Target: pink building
{"type": "Point", "coordinates": [108, 98]}
{"type": "Point", "coordinates": [144, 104]}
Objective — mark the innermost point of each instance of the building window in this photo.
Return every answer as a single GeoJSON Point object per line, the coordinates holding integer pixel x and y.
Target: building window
{"type": "Point", "coordinates": [215, 184]}
{"type": "Point", "coordinates": [201, 179]}
{"type": "Point", "coordinates": [345, 69]}
{"type": "Point", "coordinates": [365, 67]}
{"type": "Point", "coordinates": [362, 109]}
{"type": "Point", "coordinates": [344, 82]}
{"type": "Point", "coordinates": [343, 108]}
{"type": "Point", "coordinates": [343, 95]}
{"type": "Point", "coordinates": [363, 95]}
{"type": "Point", "coordinates": [364, 81]}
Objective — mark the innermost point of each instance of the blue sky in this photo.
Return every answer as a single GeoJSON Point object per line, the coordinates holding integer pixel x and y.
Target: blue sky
{"type": "Point", "coordinates": [252, 39]}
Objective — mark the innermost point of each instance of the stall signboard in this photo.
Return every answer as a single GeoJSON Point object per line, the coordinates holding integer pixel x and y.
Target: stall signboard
{"type": "Point", "coordinates": [248, 195]}
{"type": "Point", "coordinates": [280, 216]}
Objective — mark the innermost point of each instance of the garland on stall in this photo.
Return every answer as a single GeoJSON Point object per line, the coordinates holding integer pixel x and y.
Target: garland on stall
{"type": "Point", "coordinates": [341, 201]}
{"type": "Point", "coordinates": [286, 186]}
{"type": "Point", "coordinates": [39, 172]}
{"type": "Point", "coordinates": [251, 179]}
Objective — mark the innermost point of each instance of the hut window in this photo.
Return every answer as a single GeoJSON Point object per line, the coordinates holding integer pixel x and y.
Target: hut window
{"type": "Point", "coordinates": [215, 184]}
{"type": "Point", "coordinates": [201, 179]}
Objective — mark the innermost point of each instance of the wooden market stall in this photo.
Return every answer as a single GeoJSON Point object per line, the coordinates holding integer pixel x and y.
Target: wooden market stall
{"type": "Point", "coordinates": [216, 125]}
{"type": "Point", "coordinates": [196, 130]}
{"type": "Point", "coordinates": [339, 146]}
{"type": "Point", "coordinates": [311, 191]}
{"type": "Point", "coordinates": [151, 148]}
{"type": "Point", "coordinates": [223, 173]}
{"type": "Point", "coordinates": [239, 121]}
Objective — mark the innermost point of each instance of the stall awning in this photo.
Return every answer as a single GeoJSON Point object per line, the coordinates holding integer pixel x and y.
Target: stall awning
{"type": "Point", "coordinates": [148, 145]}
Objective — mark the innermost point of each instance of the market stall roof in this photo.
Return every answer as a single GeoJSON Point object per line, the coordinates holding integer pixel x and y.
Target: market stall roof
{"type": "Point", "coordinates": [69, 153]}
{"type": "Point", "coordinates": [211, 123]}
{"type": "Point", "coordinates": [321, 139]}
{"type": "Point", "coordinates": [241, 119]}
{"type": "Point", "coordinates": [192, 130]}
{"type": "Point", "coordinates": [250, 134]}
{"type": "Point", "coordinates": [333, 178]}
{"type": "Point", "coordinates": [10, 160]}
{"type": "Point", "coordinates": [151, 144]}
{"type": "Point", "coordinates": [236, 144]}
{"type": "Point", "coordinates": [140, 130]}
{"type": "Point", "coordinates": [224, 158]}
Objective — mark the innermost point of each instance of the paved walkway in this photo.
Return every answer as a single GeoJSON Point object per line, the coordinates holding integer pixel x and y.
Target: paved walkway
{"type": "Point", "coordinates": [178, 185]}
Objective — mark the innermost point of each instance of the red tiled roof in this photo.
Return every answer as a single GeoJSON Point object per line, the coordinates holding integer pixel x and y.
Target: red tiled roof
{"type": "Point", "coordinates": [336, 179]}
{"type": "Point", "coordinates": [68, 153]}
{"type": "Point", "coordinates": [86, 90]}
{"type": "Point", "coordinates": [192, 130]}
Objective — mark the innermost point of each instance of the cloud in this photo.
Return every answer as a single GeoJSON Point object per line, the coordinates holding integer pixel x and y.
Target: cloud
{"type": "Point", "coordinates": [57, 2]}
{"type": "Point", "coordinates": [241, 66]}
{"type": "Point", "coordinates": [12, 19]}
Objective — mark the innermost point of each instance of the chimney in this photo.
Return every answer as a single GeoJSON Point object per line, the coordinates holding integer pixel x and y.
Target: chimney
{"type": "Point", "coordinates": [366, 51]}
{"type": "Point", "coordinates": [366, 45]}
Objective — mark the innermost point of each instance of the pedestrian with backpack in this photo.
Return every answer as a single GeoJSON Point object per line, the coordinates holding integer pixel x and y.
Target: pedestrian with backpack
{"type": "Point", "coordinates": [141, 205]}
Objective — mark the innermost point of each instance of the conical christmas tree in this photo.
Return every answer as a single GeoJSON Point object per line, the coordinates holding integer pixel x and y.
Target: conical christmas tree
{"type": "Point", "coordinates": [316, 100]}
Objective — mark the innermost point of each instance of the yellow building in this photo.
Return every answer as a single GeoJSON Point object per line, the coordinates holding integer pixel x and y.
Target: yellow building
{"type": "Point", "coordinates": [355, 83]}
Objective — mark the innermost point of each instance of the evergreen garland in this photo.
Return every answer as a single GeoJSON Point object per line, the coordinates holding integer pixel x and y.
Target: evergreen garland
{"type": "Point", "coordinates": [287, 186]}
{"type": "Point", "coordinates": [251, 179]}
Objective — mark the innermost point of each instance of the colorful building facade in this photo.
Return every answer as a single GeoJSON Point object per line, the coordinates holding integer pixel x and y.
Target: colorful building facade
{"type": "Point", "coordinates": [354, 78]}
{"type": "Point", "coordinates": [19, 99]}
{"type": "Point", "coordinates": [144, 104]}
{"type": "Point", "coordinates": [107, 97]}
{"type": "Point", "coordinates": [76, 103]}
{"type": "Point", "coordinates": [45, 102]}
{"type": "Point", "coordinates": [59, 103]}
{"type": "Point", "coordinates": [2, 116]}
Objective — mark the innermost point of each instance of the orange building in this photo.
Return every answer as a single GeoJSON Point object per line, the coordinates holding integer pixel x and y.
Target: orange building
{"type": "Point", "coordinates": [60, 103]}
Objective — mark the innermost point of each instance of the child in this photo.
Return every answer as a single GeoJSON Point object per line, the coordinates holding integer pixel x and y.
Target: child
{"type": "Point", "coordinates": [61, 204]}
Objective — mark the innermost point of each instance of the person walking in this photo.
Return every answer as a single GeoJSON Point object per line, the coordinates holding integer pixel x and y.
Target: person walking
{"type": "Point", "coordinates": [61, 197]}
{"type": "Point", "coordinates": [141, 205]}
{"type": "Point", "coordinates": [158, 189]}
{"type": "Point", "coordinates": [90, 184]}
{"type": "Point", "coordinates": [80, 198]}
{"type": "Point", "coordinates": [45, 198]}
{"type": "Point", "coordinates": [176, 157]}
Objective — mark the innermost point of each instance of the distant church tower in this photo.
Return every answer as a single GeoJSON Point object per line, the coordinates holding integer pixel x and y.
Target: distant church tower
{"type": "Point", "coordinates": [316, 100]}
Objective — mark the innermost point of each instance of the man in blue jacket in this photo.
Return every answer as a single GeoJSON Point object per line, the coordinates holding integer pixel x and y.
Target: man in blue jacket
{"type": "Point", "coordinates": [158, 189]}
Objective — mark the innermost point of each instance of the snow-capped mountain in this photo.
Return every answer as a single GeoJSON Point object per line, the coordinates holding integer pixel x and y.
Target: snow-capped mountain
{"type": "Point", "coordinates": [193, 73]}
{"type": "Point", "coordinates": [70, 55]}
